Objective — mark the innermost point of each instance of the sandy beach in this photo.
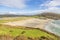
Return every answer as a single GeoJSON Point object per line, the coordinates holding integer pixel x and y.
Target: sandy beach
{"type": "Point", "coordinates": [32, 22]}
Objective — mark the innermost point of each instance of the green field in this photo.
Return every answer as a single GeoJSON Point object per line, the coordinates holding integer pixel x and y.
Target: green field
{"type": "Point", "coordinates": [16, 31]}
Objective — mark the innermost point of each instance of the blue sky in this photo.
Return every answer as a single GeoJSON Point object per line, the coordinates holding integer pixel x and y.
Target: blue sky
{"type": "Point", "coordinates": [29, 6]}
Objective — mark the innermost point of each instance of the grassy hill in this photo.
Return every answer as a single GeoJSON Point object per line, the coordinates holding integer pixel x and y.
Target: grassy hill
{"type": "Point", "coordinates": [49, 15]}
{"type": "Point", "coordinates": [28, 32]}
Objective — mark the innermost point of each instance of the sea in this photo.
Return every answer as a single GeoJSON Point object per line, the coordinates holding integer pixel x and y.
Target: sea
{"type": "Point", "coordinates": [53, 27]}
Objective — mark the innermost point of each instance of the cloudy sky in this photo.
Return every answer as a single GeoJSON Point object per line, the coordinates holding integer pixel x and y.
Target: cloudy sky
{"type": "Point", "coordinates": [29, 6]}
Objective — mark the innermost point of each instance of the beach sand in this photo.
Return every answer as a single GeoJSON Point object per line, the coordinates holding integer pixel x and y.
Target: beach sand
{"type": "Point", "coordinates": [32, 22]}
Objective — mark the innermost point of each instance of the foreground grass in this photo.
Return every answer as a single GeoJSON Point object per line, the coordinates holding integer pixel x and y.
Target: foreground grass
{"type": "Point", "coordinates": [15, 31]}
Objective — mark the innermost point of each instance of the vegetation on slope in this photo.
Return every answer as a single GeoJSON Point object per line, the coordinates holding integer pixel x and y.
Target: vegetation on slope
{"type": "Point", "coordinates": [28, 32]}
{"type": "Point", "coordinates": [48, 15]}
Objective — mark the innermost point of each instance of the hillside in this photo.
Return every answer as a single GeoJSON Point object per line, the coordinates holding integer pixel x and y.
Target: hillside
{"type": "Point", "coordinates": [12, 15]}
{"type": "Point", "coordinates": [49, 15]}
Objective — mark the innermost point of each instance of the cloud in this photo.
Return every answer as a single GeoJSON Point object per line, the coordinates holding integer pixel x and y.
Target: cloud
{"type": "Point", "coordinates": [52, 3]}
{"type": "Point", "coordinates": [14, 3]}
{"type": "Point", "coordinates": [53, 9]}
{"type": "Point", "coordinates": [51, 6]}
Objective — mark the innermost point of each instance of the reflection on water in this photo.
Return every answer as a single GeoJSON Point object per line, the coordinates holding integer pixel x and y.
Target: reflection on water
{"type": "Point", "coordinates": [53, 27]}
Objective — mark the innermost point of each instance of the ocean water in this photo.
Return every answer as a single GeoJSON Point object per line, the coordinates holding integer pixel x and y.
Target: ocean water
{"type": "Point", "coordinates": [53, 27]}
{"type": "Point", "coordinates": [56, 22]}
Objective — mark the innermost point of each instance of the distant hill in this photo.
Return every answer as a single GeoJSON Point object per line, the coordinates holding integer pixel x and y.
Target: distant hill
{"type": "Point", "coordinates": [49, 15]}
{"type": "Point", "coordinates": [11, 15]}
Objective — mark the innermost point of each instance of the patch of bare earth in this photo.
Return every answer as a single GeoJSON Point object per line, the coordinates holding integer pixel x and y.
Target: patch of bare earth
{"type": "Point", "coordinates": [22, 37]}
{"type": "Point", "coordinates": [6, 37]}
